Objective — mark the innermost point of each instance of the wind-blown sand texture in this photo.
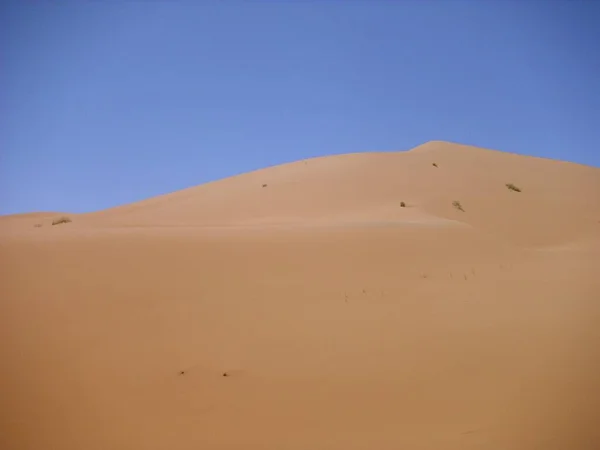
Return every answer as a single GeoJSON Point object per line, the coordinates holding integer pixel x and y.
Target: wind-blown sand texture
{"type": "Point", "coordinates": [313, 312]}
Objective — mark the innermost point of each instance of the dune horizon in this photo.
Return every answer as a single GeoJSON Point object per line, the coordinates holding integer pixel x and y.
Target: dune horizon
{"type": "Point", "coordinates": [443, 297]}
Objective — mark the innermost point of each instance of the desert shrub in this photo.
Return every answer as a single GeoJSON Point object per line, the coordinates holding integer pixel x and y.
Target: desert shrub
{"type": "Point", "coordinates": [512, 187]}
{"type": "Point", "coordinates": [61, 220]}
{"type": "Point", "coordinates": [457, 205]}
{"type": "Point", "coordinates": [402, 205]}
{"type": "Point", "coordinates": [434, 165]}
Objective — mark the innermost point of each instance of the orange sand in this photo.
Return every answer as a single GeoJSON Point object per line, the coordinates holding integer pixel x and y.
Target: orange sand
{"type": "Point", "coordinates": [341, 320]}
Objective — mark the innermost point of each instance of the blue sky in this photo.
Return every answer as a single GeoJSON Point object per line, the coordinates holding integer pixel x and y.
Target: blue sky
{"type": "Point", "coordinates": [109, 102]}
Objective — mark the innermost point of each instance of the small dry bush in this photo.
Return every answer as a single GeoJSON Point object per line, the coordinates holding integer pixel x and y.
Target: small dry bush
{"type": "Point", "coordinates": [512, 187]}
{"type": "Point", "coordinates": [61, 220]}
{"type": "Point", "coordinates": [457, 205]}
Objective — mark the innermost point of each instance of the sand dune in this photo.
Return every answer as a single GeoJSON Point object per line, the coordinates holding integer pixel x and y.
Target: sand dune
{"type": "Point", "coordinates": [558, 202]}
{"type": "Point", "coordinates": [300, 306]}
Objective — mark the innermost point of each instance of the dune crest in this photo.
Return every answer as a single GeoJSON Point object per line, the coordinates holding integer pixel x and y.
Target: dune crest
{"type": "Point", "coordinates": [558, 202]}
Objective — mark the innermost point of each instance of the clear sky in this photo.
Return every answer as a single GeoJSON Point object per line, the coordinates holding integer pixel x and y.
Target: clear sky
{"type": "Point", "coordinates": [108, 102]}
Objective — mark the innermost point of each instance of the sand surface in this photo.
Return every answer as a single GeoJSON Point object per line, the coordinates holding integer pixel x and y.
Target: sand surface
{"type": "Point", "coordinates": [313, 312]}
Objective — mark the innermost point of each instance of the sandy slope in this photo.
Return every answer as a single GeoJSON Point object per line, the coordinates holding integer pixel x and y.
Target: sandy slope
{"type": "Point", "coordinates": [341, 320]}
